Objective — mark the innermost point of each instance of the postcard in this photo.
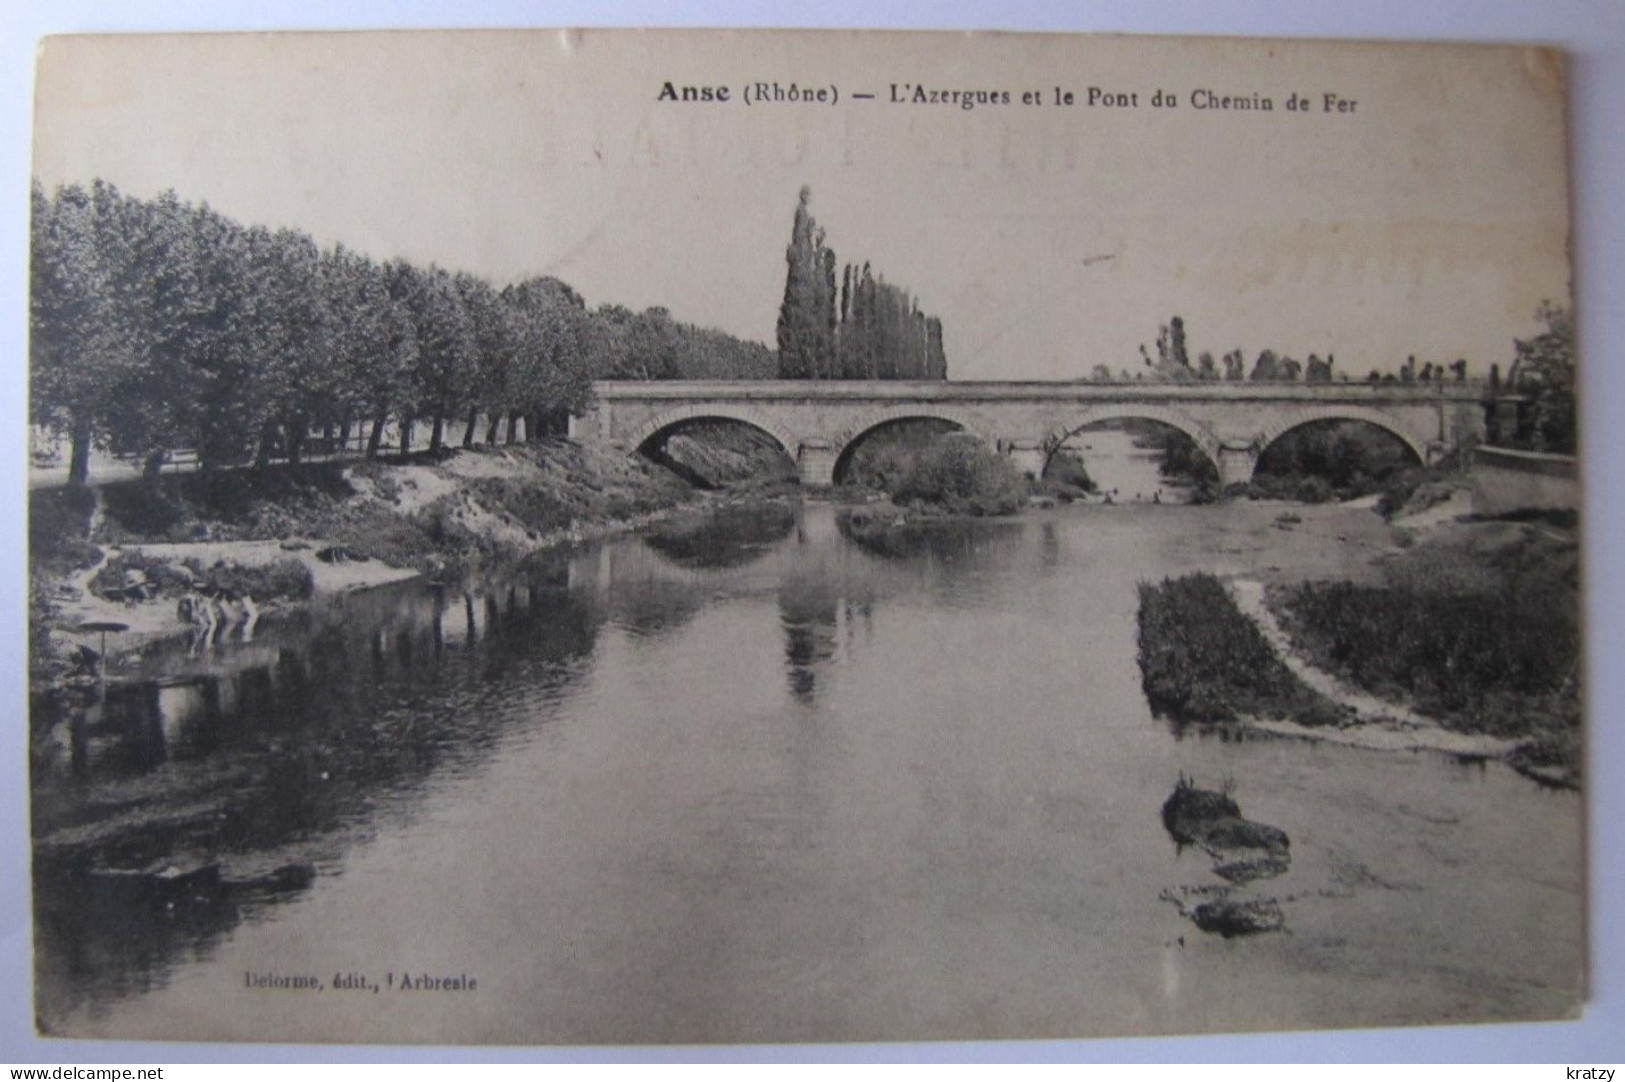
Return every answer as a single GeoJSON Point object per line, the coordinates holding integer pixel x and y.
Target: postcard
{"type": "Point", "coordinates": [676, 537]}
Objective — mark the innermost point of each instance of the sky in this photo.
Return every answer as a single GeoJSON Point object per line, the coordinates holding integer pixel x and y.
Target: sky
{"type": "Point", "coordinates": [1430, 217]}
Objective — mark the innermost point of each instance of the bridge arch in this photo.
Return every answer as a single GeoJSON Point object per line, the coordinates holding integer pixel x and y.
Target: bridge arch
{"type": "Point", "coordinates": [1309, 415]}
{"type": "Point", "coordinates": [1198, 433]}
{"type": "Point", "coordinates": [847, 440]}
{"type": "Point", "coordinates": [745, 415]}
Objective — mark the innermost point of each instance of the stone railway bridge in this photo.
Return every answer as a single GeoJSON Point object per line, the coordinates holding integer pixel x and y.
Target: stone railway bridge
{"type": "Point", "coordinates": [819, 423]}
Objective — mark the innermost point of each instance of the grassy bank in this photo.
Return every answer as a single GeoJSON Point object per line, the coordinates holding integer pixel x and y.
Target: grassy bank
{"type": "Point", "coordinates": [1202, 660]}
{"type": "Point", "coordinates": [439, 515]}
{"type": "Point", "coordinates": [457, 507]}
{"type": "Point", "coordinates": [1502, 661]}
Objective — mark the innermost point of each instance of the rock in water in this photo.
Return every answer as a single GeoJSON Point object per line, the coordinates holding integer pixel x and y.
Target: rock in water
{"type": "Point", "coordinates": [1229, 917]}
{"type": "Point", "coordinates": [1243, 851]}
{"type": "Point", "coordinates": [1213, 820]}
{"type": "Point", "coordinates": [1189, 813]}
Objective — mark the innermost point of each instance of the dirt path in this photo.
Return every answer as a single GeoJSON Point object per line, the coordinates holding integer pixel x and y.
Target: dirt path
{"type": "Point", "coordinates": [1378, 724]}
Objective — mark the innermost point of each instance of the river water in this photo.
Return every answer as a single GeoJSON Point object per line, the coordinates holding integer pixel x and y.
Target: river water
{"type": "Point", "coordinates": [756, 780]}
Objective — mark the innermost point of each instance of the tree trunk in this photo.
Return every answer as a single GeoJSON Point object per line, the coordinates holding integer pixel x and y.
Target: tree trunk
{"type": "Point", "coordinates": [491, 429]}
{"type": "Point", "coordinates": [294, 433]}
{"type": "Point", "coordinates": [79, 457]}
{"type": "Point", "coordinates": [152, 469]}
{"type": "Point", "coordinates": [406, 435]}
{"type": "Point", "coordinates": [376, 440]}
{"type": "Point", "coordinates": [344, 435]}
{"type": "Point", "coordinates": [262, 457]}
{"type": "Point", "coordinates": [473, 420]}
{"type": "Point", "coordinates": [437, 434]}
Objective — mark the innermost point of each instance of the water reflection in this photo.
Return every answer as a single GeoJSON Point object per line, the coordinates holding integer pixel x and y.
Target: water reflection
{"type": "Point", "coordinates": [953, 541]}
{"type": "Point", "coordinates": [808, 611]}
{"type": "Point", "coordinates": [814, 777]}
{"type": "Point", "coordinates": [728, 538]}
{"type": "Point", "coordinates": [171, 809]}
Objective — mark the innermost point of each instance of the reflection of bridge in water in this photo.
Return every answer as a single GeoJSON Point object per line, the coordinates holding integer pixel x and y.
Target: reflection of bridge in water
{"type": "Point", "coordinates": [818, 423]}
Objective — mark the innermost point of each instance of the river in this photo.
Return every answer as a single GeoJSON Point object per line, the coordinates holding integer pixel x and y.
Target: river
{"type": "Point", "coordinates": [751, 780]}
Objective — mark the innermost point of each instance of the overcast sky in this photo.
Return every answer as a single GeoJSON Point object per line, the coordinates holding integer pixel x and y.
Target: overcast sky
{"type": "Point", "coordinates": [1430, 219]}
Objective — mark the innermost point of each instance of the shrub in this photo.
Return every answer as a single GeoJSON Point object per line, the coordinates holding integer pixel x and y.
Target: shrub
{"type": "Point", "coordinates": [283, 579]}
{"type": "Point", "coordinates": [59, 529]}
{"type": "Point", "coordinates": [1067, 469]}
{"type": "Point", "coordinates": [959, 473]}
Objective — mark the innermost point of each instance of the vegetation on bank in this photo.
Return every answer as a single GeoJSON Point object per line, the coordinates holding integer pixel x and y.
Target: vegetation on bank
{"type": "Point", "coordinates": [544, 487]}
{"type": "Point", "coordinates": [1503, 660]}
{"type": "Point", "coordinates": [287, 579]}
{"type": "Point", "coordinates": [1066, 478]}
{"type": "Point", "coordinates": [434, 514]}
{"type": "Point", "coordinates": [959, 474]}
{"type": "Point", "coordinates": [1203, 660]}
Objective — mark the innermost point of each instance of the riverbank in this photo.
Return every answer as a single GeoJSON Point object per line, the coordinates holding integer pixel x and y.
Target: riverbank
{"type": "Point", "coordinates": [345, 526]}
{"type": "Point", "coordinates": [1456, 634]}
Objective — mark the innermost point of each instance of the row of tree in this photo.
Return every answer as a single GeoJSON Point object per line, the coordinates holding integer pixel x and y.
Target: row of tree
{"type": "Point", "coordinates": [159, 324]}
{"type": "Point", "coordinates": [865, 329]}
{"type": "Point", "coordinates": [1172, 362]}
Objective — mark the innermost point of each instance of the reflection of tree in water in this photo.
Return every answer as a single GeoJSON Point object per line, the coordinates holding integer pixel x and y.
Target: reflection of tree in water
{"type": "Point", "coordinates": [808, 609]}
{"type": "Point", "coordinates": [184, 805]}
{"type": "Point", "coordinates": [653, 607]}
{"type": "Point", "coordinates": [731, 537]}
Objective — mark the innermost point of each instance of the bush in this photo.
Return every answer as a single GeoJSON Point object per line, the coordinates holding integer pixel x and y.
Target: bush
{"type": "Point", "coordinates": [884, 457]}
{"type": "Point", "coordinates": [1067, 469]}
{"type": "Point", "coordinates": [1348, 459]}
{"type": "Point", "coordinates": [284, 579]}
{"type": "Point", "coordinates": [959, 473]}
{"type": "Point", "coordinates": [59, 529]}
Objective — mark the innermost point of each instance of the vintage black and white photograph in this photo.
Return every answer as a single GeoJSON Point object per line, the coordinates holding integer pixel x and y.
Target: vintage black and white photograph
{"type": "Point", "coordinates": [698, 537]}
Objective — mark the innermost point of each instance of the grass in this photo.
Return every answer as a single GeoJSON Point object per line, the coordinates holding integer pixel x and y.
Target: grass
{"type": "Point", "coordinates": [556, 485]}
{"type": "Point", "coordinates": [1202, 660]}
{"type": "Point", "coordinates": [1503, 661]}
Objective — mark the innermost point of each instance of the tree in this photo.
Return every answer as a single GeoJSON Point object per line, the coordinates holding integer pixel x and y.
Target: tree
{"type": "Point", "coordinates": [156, 293]}
{"type": "Point", "coordinates": [1267, 367]}
{"type": "Point", "coordinates": [372, 345]}
{"type": "Point", "coordinates": [860, 328]}
{"type": "Point", "coordinates": [490, 376]}
{"type": "Point", "coordinates": [80, 341]}
{"type": "Point", "coordinates": [1544, 371]}
{"type": "Point", "coordinates": [557, 350]}
{"type": "Point", "coordinates": [806, 317]}
{"type": "Point", "coordinates": [1176, 343]}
